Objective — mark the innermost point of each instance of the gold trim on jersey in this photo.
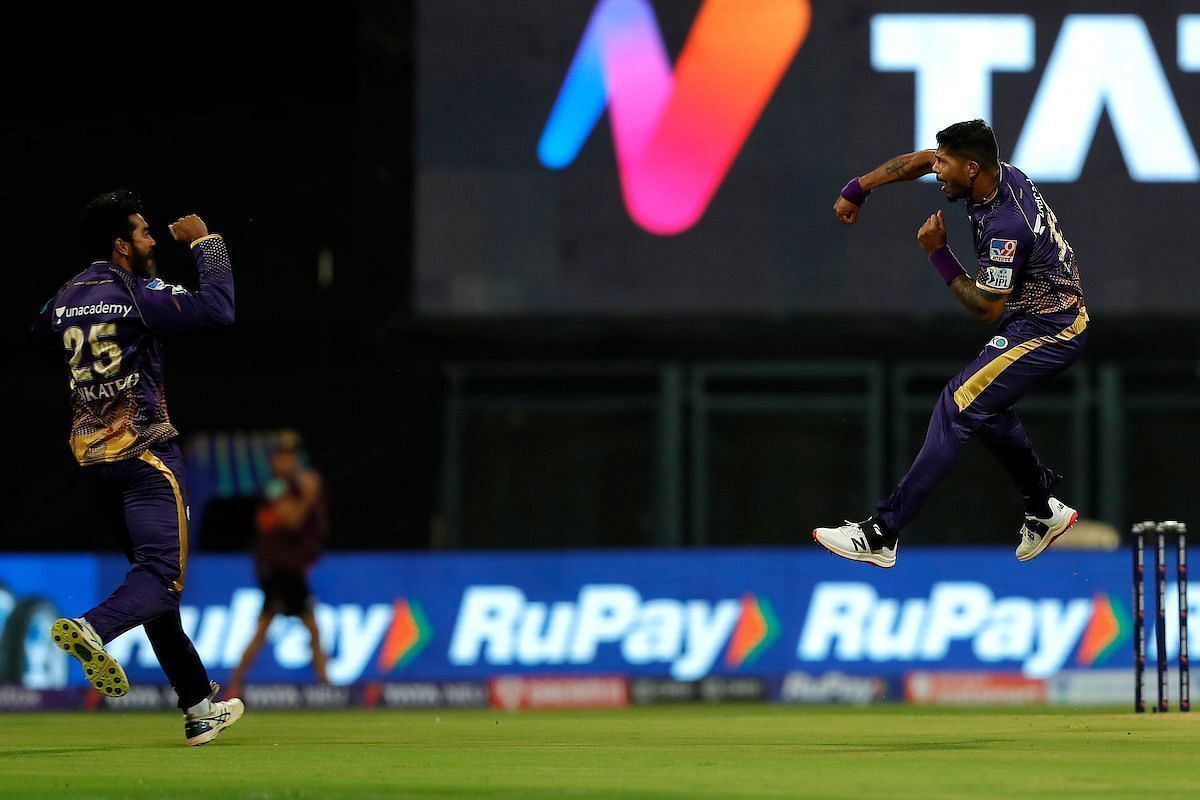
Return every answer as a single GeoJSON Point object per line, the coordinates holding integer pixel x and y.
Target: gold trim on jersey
{"type": "Point", "coordinates": [180, 509]}
{"type": "Point", "coordinates": [103, 446]}
{"type": "Point", "coordinates": [987, 374]}
{"type": "Point", "coordinates": [205, 239]}
{"type": "Point", "coordinates": [993, 290]}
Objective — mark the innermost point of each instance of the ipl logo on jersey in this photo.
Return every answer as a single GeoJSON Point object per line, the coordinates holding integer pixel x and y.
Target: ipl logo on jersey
{"type": "Point", "coordinates": [1003, 251]}
{"type": "Point", "coordinates": [996, 278]}
{"type": "Point", "coordinates": [999, 278]}
{"type": "Point", "coordinates": [158, 284]}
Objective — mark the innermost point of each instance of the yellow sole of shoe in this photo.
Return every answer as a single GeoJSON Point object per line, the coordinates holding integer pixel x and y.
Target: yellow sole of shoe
{"type": "Point", "coordinates": [102, 670]}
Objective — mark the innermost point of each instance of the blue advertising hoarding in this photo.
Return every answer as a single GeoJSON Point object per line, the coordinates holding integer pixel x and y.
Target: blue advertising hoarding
{"type": "Point", "coordinates": [682, 615]}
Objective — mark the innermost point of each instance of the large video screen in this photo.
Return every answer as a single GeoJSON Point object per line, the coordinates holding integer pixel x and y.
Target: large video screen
{"type": "Point", "coordinates": [659, 157]}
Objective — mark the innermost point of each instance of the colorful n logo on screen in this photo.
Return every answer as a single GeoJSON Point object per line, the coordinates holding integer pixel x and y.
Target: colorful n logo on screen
{"type": "Point", "coordinates": [676, 133]}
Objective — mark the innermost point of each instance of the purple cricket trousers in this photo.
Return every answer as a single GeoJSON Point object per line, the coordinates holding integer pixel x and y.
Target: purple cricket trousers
{"type": "Point", "coordinates": [1028, 349]}
{"type": "Point", "coordinates": [147, 502]}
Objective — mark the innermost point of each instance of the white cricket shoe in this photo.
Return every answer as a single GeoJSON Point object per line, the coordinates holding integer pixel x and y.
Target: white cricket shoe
{"type": "Point", "coordinates": [860, 541]}
{"type": "Point", "coordinates": [202, 727]}
{"type": "Point", "coordinates": [1039, 532]}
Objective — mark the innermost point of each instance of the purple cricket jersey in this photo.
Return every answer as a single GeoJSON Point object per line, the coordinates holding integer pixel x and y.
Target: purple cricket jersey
{"type": "Point", "coordinates": [1021, 249]}
{"type": "Point", "coordinates": [107, 320]}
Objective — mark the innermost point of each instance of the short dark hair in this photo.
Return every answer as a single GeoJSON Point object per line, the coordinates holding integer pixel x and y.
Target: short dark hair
{"type": "Point", "coordinates": [107, 218]}
{"type": "Point", "coordinates": [974, 140]}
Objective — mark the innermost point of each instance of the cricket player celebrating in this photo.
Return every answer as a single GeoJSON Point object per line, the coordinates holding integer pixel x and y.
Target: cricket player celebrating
{"type": "Point", "coordinates": [1027, 278]}
{"type": "Point", "coordinates": [106, 321]}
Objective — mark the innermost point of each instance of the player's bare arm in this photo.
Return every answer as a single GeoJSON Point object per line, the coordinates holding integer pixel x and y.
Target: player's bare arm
{"type": "Point", "coordinates": [906, 167]}
{"type": "Point", "coordinates": [985, 305]}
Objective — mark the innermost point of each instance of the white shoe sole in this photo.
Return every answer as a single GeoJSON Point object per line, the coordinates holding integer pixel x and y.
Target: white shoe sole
{"type": "Point", "coordinates": [237, 708]}
{"type": "Point", "coordinates": [1050, 538]}
{"type": "Point", "coordinates": [867, 557]}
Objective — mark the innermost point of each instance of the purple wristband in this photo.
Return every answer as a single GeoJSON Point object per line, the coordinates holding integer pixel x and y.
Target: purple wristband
{"type": "Point", "coordinates": [946, 264]}
{"type": "Point", "coordinates": [854, 192]}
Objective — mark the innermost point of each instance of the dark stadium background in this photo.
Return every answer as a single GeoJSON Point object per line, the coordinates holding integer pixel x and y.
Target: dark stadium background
{"type": "Point", "coordinates": [295, 134]}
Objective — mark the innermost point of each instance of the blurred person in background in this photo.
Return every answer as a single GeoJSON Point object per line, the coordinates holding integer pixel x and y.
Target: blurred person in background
{"type": "Point", "coordinates": [105, 324]}
{"type": "Point", "coordinates": [292, 522]}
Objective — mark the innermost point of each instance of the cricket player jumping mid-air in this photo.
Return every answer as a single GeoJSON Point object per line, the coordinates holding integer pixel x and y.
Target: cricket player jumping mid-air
{"type": "Point", "coordinates": [1028, 279]}
{"type": "Point", "coordinates": [105, 321]}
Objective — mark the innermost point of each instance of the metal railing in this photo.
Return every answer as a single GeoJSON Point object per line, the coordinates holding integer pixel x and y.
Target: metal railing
{"type": "Point", "coordinates": [1092, 404]}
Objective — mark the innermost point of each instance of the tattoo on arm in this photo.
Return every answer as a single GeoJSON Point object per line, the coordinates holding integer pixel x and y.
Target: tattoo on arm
{"type": "Point", "coordinates": [895, 167]}
{"type": "Point", "coordinates": [979, 302]}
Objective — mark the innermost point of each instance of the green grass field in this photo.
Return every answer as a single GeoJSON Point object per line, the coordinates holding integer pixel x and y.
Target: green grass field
{"type": "Point", "coordinates": [683, 752]}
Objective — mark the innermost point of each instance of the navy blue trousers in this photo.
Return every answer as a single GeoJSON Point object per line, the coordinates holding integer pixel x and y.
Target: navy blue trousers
{"type": "Point", "coordinates": [147, 501]}
{"type": "Point", "coordinates": [1027, 350]}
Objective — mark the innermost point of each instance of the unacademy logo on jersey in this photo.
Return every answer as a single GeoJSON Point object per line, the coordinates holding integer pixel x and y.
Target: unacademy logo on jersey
{"type": "Point", "coordinates": [95, 309]}
{"type": "Point", "coordinates": [999, 342]}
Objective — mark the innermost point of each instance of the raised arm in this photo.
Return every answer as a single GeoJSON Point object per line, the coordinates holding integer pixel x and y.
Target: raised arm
{"type": "Point", "coordinates": [165, 306]}
{"type": "Point", "coordinates": [907, 167]}
{"type": "Point", "coordinates": [986, 302]}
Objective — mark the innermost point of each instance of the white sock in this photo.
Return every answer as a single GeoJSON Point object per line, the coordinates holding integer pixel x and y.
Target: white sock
{"type": "Point", "coordinates": [203, 707]}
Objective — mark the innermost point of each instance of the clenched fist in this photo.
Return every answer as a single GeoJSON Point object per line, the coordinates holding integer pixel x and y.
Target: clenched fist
{"type": "Point", "coordinates": [188, 229]}
{"type": "Point", "coordinates": [845, 211]}
{"type": "Point", "coordinates": [932, 234]}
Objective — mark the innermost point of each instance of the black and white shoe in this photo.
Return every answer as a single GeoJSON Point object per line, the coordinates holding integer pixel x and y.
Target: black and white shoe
{"type": "Point", "coordinates": [1038, 533]}
{"type": "Point", "coordinates": [202, 727]}
{"type": "Point", "coordinates": [860, 541]}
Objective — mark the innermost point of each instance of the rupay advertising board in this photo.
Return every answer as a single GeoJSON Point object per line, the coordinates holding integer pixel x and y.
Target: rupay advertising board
{"type": "Point", "coordinates": [680, 615]}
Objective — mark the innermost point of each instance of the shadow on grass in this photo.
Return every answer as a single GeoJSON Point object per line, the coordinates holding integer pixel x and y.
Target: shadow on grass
{"type": "Point", "coordinates": [41, 751]}
{"type": "Point", "coordinates": [910, 746]}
